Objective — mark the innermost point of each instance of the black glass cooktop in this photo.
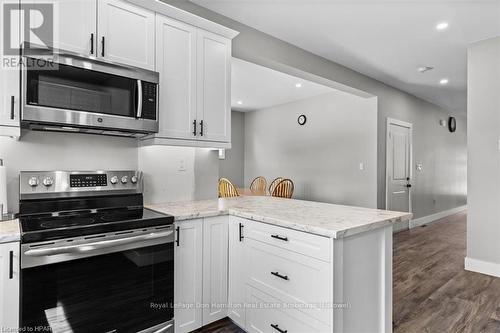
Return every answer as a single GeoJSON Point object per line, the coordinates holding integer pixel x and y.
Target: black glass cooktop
{"type": "Point", "coordinates": [48, 226]}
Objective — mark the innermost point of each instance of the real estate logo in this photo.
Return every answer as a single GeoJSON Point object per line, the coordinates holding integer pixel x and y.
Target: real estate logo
{"type": "Point", "coordinates": [28, 29]}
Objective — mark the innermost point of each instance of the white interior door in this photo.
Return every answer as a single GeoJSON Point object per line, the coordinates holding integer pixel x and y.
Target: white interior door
{"type": "Point", "coordinates": [398, 175]}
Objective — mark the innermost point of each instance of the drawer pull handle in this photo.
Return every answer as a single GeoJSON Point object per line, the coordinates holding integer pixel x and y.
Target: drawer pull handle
{"type": "Point", "coordinates": [284, 277]}
{"type": "Point", "coordinates": [280, 237]}
{"type": "Point", "coordinates": [178, 230]}
{"type": "Point", "coordinates": [277, 328]}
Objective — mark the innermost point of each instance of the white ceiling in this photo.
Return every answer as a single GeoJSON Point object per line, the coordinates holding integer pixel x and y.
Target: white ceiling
{"type": "Point", "coordinates": [259, 87]}
{"type": "Point", "coordinates": [385, 39]}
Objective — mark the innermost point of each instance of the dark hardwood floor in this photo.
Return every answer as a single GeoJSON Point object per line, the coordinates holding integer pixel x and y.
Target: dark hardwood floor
{"type": "Point", "coordinates": [432, 291]}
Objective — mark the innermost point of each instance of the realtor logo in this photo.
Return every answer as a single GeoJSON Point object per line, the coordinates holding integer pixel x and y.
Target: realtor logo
{"type": "Point", "coordinates": [29, 23]}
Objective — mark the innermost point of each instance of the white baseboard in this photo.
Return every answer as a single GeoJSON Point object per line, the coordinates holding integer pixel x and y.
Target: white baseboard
{"type": "Point", "coordinates": [483, 267]}
{"type": "Point", "coordinates": [431, 218]}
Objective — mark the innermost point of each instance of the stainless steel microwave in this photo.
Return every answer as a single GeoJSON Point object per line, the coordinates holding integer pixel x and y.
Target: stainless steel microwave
{"type": "Point", "coordinates": [68, 92]}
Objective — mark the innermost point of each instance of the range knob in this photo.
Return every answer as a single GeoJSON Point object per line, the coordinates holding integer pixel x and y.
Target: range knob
{"type": "Point", "coordinates": [33, 182]}
{"type": "Point", "coordinates": [47, 181]}
{"type": "Point", "coordinates": [124, 180]}
{"type": "Point", "coordinates": [114, 180]}
{"type": "Point", "coordinates": [133, 179]}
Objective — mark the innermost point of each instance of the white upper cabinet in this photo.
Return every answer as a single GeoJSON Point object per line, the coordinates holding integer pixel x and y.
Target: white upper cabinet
{"type": "Point", "coordinates": [9, 287]}
{"type": "Point", "coordinates": [195, 85]}
{"type": "Point", "coordinates": [126, 33]}
{"type": "Point", "coordinates": [75, 25]}
{"type": "Point", "coordinates": [214, 86]}
{"type": "Point", "coordinates": [176, 61]}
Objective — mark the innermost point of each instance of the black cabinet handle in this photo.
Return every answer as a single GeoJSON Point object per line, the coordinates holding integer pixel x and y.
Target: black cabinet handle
{"type": "Point", "coordinates": [241, 232]}
{"type": "Point", "coordinates": [102, 46]}
{"type": "Point", "coordinates": [91, 43]}
{"type": "Point", "coordinates": [280, 238]}
{"type": "Point", "coordinates": [11, 265]}
{"type": "Point", "coordinates": [277, 328]}
{"type": "Point", "coordinates": [201, 129]}
{"type": "Point", "coordinates": [284, 277]}
{"type": "Point", "coordinates": [408, 185]}
{"type": "Point", "coordinates": [12, 108]}
{"type": "Point", "coordinates": [178, 230]}
{"type": "Point", "coordinates": [194, 127]}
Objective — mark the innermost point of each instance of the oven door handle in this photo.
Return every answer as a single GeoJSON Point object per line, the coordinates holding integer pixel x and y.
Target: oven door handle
{"type": "Point", "coordinates": [139, 99]}
{"type": "Point", "coordinates": [88, 247]}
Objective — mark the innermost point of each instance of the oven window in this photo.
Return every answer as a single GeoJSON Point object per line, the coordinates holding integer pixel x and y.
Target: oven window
{"type": "Point", "coordinates": [81, 89]}
{"type": "Point", "coordinates": [124, 292]}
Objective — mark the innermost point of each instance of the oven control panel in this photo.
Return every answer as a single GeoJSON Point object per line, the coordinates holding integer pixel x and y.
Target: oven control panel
{"type": "Point", "coordinates": [40, 183]}
{"type": "Point", "coordinates": [88, 180]}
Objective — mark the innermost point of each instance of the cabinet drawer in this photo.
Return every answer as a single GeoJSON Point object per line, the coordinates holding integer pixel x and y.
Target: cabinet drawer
{"type": "Point", "coordinates": [266, 314]}
{"type": "Point", "coordinates": [301, 242]}
{"type": "Point", "coordinates": [291, 277]}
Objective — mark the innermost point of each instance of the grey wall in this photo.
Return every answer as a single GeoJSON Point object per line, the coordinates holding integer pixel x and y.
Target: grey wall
{"type": "Point", "coordinates": [445, 157]}
{"type": "Point", "coordinates": [63, 151]}
{"type": "Point", "coordinates": [323, 156]}
{"type": "Point", "coordinates": [232, 167]}
{"type": "Point", "coordinates": [483, 221]}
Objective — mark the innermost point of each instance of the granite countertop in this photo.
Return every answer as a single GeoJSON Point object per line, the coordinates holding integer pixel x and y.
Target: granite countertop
{"type": "Point", "coordinates": [9, 231]}
{"type": "Point", "coordinates": [335, 221]}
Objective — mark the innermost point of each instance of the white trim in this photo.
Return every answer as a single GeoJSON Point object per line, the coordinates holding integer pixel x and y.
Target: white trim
{"type": "Point", "coordinates": [186, 17]}
{"type": "Point", "coordinates": [483, 267]}
{"type": "Point", "coordinates": [434, 217]}
{"type": "Point", "coordinates": [410, 127]}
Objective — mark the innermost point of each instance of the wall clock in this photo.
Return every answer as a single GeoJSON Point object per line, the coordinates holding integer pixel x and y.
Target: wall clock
{"type": "Point", "coordinates": [452, 124]}
{"type": "Point", "coordinates": [302, 119]}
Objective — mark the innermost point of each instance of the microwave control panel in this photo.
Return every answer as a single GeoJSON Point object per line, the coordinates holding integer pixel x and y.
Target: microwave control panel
{"type": "Point", "coordinates": [149, 100]}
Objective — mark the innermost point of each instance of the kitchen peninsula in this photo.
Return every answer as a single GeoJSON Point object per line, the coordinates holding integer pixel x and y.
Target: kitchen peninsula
{"type": "Point", "coordinates": [277, 265]}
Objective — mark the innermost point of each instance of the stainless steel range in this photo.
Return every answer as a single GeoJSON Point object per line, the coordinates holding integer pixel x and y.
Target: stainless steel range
{"type": "Point", "coordinates": [93, 259]}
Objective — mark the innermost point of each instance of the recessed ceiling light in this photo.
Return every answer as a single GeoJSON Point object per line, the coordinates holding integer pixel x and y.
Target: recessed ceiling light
{"type": "Point", "coordinates": [442, 26]}
{"type": "Point", "coordinates": [239, 102]}
{"type": "Point", "coordinates": [444, 81]}
{"type": "Point", "coordinates": [298, 85]}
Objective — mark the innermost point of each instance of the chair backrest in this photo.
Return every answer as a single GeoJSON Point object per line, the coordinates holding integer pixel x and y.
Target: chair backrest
{"type": "Point", "coordinates": [274, 183]}
{"type": "Point", "coordinates": [259, 184]}
{"type": "Point", "coordinates": [227, 189]}
{"type": "Point", "coordinates": [284, 189]}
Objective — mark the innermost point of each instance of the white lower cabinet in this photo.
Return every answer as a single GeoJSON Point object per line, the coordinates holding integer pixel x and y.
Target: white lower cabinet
{"type": "Point", "coordinates": [9, 287]}
{"type": "Point", "coordinates": [215, 267]}
{"type": "Point", "coordinates": [237, 271]}
{"type": "Point", "coordinates": [201, 254]}
{"type": "Point", "coordinates": [188, 275]}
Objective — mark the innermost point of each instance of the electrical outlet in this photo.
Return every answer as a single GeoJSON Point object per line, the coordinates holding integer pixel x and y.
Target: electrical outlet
{"type": "Point", "coordinates": [361, 166]}
{"type": "Point", "coordinates": [420, 167]}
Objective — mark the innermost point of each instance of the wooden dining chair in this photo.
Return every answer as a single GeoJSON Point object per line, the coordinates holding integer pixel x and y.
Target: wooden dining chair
{"type": "Point", "coordinates": [259, 184]}
{"type": "Point", "coordinates": [284, 189]}
{"type": "Point", "coordinates": [227, 189]}
{"type": "Point", "coordinates": [274, 183]}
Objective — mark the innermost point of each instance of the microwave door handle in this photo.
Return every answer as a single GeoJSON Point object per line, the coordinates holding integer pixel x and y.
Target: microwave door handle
{"type": "Point", "coordinates": [139, 99]}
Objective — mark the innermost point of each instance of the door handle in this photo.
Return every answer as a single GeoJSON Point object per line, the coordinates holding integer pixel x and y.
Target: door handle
{"type": "Point", "coordinates": [241, 232]}
{"type": "Point", "coordinates": [194, 127]}
{"type": "Point", "coordinates": [11, 265]}
{"type": "Point", "coordinates": [12, 107]}
{"type": "Point", "coordinates": [201, 129]}
{"type": "Point", "coordinates": [92, 43]}
{"type": "Point", "coordinates": [102, 46]}
{"type": "Point", "coordinates": [139, 99]}
{"type": "Point", "coordinates": [178, 230]}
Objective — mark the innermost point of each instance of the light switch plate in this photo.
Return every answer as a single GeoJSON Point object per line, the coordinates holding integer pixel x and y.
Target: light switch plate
{"type": "Point", "coordinates": [182, 165]}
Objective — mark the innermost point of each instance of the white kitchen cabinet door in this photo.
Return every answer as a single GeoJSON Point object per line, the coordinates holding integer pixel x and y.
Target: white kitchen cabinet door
{"type": "Point", "coordinates": [215, 265]}
{"type": "Point", "coordinates": [188, 275]}
{"type": "Point", "coordinates": [214, 87]}
{"type": "Point", "coordinates": [9, 286]}
{"type": "Point", "coordinates": [126, 33]}
{"type": "Point", "coordinates": [237, 274]}
{"type": "Point", "coordinates": [176, 63]}
{"type": "Point", "coordinates": [75, 24]}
